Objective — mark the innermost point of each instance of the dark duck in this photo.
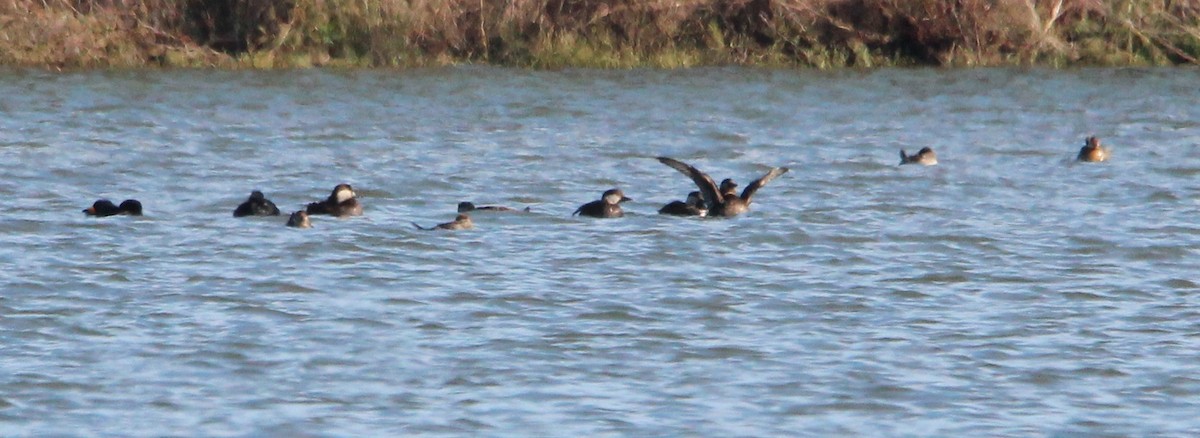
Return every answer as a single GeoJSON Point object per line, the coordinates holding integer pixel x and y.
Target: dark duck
{"type": "Point", "coordinates": [256, 205]}
{"type": "Point", "coordinates": [693, 206]}
{"type": "Point", "coordinates": [104, 207]}
{"type": "Point", "coordinates": [467, 207]}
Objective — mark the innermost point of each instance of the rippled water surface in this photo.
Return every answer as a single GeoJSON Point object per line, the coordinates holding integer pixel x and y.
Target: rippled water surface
{"type": "Point", "coordinates": [1006, 291]}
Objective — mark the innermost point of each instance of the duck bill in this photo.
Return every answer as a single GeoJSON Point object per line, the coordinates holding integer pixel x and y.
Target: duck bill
{"type": "Point", "coordinates": [90, 210]}
{"type": "Point", "coordinates": [626, 199]}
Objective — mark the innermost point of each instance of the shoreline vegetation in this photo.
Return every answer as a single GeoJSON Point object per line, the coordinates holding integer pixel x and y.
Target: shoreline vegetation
{"type": "Point", "coordinates": [548, 34]}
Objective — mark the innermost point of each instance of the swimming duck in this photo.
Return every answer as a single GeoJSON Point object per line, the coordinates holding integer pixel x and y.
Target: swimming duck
{"type": "Point", "coordinates": [256, 205]}
{"type": "Point", "coordinates": [694, 206]}
{"type": "Point", "coordinates": [467, 207]}
{"type": "Point", "coordinates": [722, 203]}
{"type": "Point", "coordinates": [924, 157]}
{"type": "Point", "coordinates": [341, 203]}
{"type": "Point", "coordinates": [1092, 151]}
{"type": "Point", "coordinates": [728, 187]}
{"type": "Point", "coordinates": [299, 219]}
{"type": "Point", "coordinates": [460, 222]}
{"type": "Point", "coordinates": [608, 206]}
{"type": "Point", "coordinates": [104, 207]}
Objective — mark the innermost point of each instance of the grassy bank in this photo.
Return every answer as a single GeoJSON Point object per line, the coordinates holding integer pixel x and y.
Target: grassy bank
{"type": "Point", "coordinates": [597, 33]}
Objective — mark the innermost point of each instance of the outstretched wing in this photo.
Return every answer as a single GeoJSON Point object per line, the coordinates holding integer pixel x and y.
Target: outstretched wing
{"type": "Point", "coordinates": [708, 188]}
{"type": "Point", "coordinates": [759, 183]}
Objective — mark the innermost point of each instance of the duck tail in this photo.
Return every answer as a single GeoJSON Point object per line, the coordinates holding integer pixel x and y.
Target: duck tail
{"type": "Point", "coordinates": [903, 156]}
{"type": "Point", "coordinates": [419, 227]}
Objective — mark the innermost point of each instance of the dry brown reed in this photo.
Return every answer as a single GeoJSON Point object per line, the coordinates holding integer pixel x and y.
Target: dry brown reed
{"type": "Point", "coordinates": [597, 33]}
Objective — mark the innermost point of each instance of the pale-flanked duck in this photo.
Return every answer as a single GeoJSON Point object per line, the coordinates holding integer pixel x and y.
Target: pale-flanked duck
{"type": "Point", "coordinates": [104, 207]}
{"type": "Point", "coordinates": [299, 219]}
{"type": "Point", "coordinates": [256, 205]}
{"type": "Point", "coordinates": [924, 157]}
{"type": "Point", "coordinates": [608, 206]}
{"type": "Point", "coordinates": [722, 203]}
{"type": "Point", "coordinates": [460, 222]}
{"type": "Point", "coordinates": [1092, 151]}
{"type": "Point", "coordinates": [342, 202]}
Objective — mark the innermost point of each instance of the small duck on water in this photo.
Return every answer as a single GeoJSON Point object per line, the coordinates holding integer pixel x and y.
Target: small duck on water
{"type": "Point", "coordinates": [608, 206]}
{"type": "Point", "coordinates": [299, 219]}
{"type": "Point", "coordinates": [924, 157]}
{"type": "Point", "coordinates": [341, 202]}
{"type": "Point", "coordinates": [256, 205]}
{"type": "Point", "coordinates": [104, 208]}
{"type": "Point", "coordinates": [1092, 152]}
{"type": "Point", "coordinates": [460, 222]}
{"type": "Point", "coordinates": [467, 207]}
{"type": "Point", "coordinates": [693, 206]}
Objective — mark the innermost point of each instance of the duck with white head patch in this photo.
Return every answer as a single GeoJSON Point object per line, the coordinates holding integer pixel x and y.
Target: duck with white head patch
{"type": "Point", "coordinates": [608, 206]}
{"type": "Point", "coordinates": [341, 203]}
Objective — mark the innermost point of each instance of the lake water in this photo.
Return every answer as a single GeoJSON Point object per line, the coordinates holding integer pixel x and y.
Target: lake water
{"type": "Point", "coordinates": [1006, 291]}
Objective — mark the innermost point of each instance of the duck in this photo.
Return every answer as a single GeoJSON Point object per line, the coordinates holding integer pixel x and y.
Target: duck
{"type": "Point", "coordinates": [728, 187]}
{"type": "Point", "coordinates": [104, 208]}
{"type": "Point", "coordinates": [1092, 151]}
{"type": "Point", "coordinates": [460, 222]}
{"type": "Point", "coordinates": [608, 206]}
{"type": "Point", "coordinates": [467, 207]}
{"type": "Point", "coordinates": [924, 157]}
{"type": "Point", "coordinates": [299, 219]}
{"type": "Point", "coordinates": [342, 202]}
{"type": "Point", "coordinates": [256, 205]}
{"type": "Point", "coordinates": [722, 203]}
{"type": "Point", "coordinates": [693, 206]}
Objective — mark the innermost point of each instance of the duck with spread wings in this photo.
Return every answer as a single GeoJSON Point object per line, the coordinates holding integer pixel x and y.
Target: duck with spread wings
{"type": "Point", "coordinates": [722, 203]}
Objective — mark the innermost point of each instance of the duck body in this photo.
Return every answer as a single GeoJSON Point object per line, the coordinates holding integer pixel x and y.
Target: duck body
{"type": "Point", "coordinates": [104, 208]}
{"type": "Point", "coordinates": [342, 202]}
{"type": "Point", "coordinates": [256, 205]}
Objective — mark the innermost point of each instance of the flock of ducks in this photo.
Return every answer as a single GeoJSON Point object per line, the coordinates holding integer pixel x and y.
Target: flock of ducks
{"type": "Point", "coordinates": [712, 200]}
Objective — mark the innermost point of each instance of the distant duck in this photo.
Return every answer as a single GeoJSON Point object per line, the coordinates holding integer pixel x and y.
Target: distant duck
{"type": "Point", "coordinates": [694, 206]}
{"type": "Point", "coordinates": [256, 205]}
{"type": "Point", "coordinates": [341, 203]}
{"type": "Point", "coordinates": [723, 201]}
{"type": "Point", "coordinates": [608, 206]}
{"type": "Point", "coordinates": [104, 207]}
{"type": "Point", "coordinates": [460, 222]}
{"type": "Point", "coordinates": [467, 207]}
{"type": "Point", "coordinates": [1092, 151]}
{"type": "Point", "coordinates": [924, 157]}
{"type": "Point", "coordinates": [299, 219]}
